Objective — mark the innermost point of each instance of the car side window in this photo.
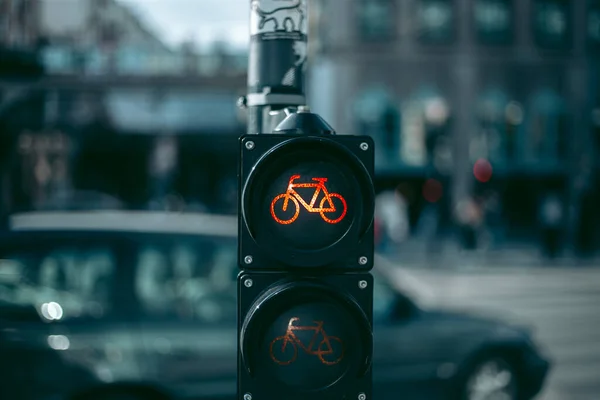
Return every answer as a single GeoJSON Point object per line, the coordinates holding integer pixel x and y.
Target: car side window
{"type": "Point", "coordinates": [187, 281]}
{"type": "Point", "coordinates": [63, 283]}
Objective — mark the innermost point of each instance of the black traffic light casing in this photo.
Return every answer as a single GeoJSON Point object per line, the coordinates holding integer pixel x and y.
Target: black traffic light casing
{"type": "Point", "coordinates": [313, 240]}
{"type": "Point", "coordinates": [341, 303]}
{"type": "Point", "coordinates": [305, 249]}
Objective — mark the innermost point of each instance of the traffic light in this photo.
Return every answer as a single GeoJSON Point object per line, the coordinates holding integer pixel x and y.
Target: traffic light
{"type": "Point", "coordinates": [305, 294]}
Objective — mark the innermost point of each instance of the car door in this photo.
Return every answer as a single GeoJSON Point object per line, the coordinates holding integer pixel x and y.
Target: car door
{"type": "Point", "coordinates": [404, 363]}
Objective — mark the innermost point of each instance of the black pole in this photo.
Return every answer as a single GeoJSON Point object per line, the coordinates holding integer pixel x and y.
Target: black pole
{"type": "Point", "coordinates": [277, 61]}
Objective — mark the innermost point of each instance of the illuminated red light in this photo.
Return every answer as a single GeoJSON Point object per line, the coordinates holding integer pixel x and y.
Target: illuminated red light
{"type": "Point", "coordinates": [282, 202]}
{"type": "Point", "coordinates": [483, 170]}
{"type": "Point", "coordinates": [433, 190]}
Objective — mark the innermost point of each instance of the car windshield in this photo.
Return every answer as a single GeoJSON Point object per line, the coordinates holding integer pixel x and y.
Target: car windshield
{"type": "Point", "coordinates": [71, 278]}
{"type": "Point", "coordinates": [151, 278]}
{"type": "Point", "coordinates": [186, 279]}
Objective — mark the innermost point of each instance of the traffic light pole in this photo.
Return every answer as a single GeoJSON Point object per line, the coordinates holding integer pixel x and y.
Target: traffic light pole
{"type": "Point", "coordinates": [277, 62]}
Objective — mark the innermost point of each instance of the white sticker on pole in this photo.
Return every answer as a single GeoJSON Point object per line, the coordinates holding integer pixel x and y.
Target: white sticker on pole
{"type": "Point", "coordinates": [278, 17]}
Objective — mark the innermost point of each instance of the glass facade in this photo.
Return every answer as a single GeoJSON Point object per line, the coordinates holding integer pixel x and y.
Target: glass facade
{"type": "Point", "coordinates": [410, 133]}
{"type": "Point", "coordinates": [425, 129]}
{"type": "Point", "coordinates": [493, 21]}
{"type": "Point", "coordinates": [377, 19]}
{"type": "Point", "coordinates": [552, 23]}
{"type": "Point", "coordinates": [436, 21]}
{"type": "Point", "coordinates": [593, 24]}
{"type": "Point", "coordinates": [500, 136]}
{"type": "Point", "coordinates": [378, 116]}
{"type": "Point", "coordinates": [547, 128]}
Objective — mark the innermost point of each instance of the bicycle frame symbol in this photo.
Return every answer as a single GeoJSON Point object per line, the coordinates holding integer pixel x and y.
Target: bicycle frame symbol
{"type": "Point", "coordinates": [328, 354]}
{"type": "Point", "coordinates": [326, 206]}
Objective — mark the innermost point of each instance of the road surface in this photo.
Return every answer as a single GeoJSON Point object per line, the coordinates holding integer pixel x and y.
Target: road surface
{"type": "Point", "coordinates": [562, 305]}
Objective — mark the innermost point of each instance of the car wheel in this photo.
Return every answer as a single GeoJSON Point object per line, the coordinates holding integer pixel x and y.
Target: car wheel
{"type": "Point", "coordinates": [491, 379]}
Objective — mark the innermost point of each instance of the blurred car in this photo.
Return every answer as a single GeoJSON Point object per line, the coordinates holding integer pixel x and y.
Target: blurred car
{"type": "Point", "coordinates": [80, 200]}
{"type": "Point", "coordinates": [142, 305]}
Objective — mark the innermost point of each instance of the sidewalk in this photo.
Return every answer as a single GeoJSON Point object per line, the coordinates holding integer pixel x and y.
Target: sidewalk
{"type": "Point", "coordinates": [448, 254]}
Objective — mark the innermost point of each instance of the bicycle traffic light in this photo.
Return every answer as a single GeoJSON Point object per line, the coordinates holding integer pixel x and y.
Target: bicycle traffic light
{"type": "Point", "coordinates": [306, 202]}
{"type": "Point", "coordinates": [305, 294]}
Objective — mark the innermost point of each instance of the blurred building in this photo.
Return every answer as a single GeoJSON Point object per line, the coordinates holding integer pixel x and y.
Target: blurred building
{"type": "Point", "coordinates": [100, 36]}
{"type": "Point", "coordinates": [19, 23]}
{"type": "Point", "coordinates": [495, 99]}
{"type": "Point", "coordinates": [118, 113]}
{"type": "Point", "coordinates": [19, 39]}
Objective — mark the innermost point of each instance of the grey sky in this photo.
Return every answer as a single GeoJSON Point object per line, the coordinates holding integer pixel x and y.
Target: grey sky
{"type": "Point", "coordinates": [204, 20]}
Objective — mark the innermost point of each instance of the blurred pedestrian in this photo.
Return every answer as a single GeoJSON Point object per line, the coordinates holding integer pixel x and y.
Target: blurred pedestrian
{"type": "Point", "coordinates": [470, 218]}
{"type": "Point", "coordinates": [587, 222]}
{"type": "Point", "coordinates": [428, 228]}
{"type": "Point", "coordinates": [391, 213]}
{"type": "Point", "coordinates": [551, 219]}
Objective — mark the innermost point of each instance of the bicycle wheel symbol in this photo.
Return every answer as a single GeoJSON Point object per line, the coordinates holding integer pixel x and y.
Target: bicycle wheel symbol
{"type": "Point", "coordinates": [283, 350]}
{"type": "Point", "coordinates": [339, 203]}
{"type": "Point", "coordinates": [331, 350]}
{"type": "Point", "coordinates": [286, 213]}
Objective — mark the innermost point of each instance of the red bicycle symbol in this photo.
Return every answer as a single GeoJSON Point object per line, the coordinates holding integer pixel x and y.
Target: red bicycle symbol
{"type": "Point", "coordinates": [326, 206]}
{"type": "Point", "coordinates": [284, 349]}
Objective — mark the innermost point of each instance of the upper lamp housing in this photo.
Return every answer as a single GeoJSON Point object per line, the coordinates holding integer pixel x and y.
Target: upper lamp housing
{"type": "Point", "coordinates": [306, 201]}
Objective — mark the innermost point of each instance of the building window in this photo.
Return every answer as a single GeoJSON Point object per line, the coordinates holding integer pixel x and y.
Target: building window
{"type": "Point", "coordinates": [436, 21]}
{"type": "Point", "coordinates": [377, 19]}
{"type": "Point", "coordinates": [593, 23]}
{"type": "Point", "coordinates": [378, 116]}
{"type": "Point", "coordinates": [548, 128]}
{"type": "Point", "coordinates": [494, 21]}
{"type": "Point", "coordinates": [500, 120]}
{"type": "Point", "coordinates": [425, 130]}
{"type": "Point", "coordinates": [552, 23]}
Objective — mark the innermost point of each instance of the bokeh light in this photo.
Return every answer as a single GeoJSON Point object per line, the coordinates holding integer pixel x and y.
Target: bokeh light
{"type": "Point", "coordinates": [514, 113]}
{"type": "Point", "coordinates": [59, 342]}
{"type": "Point", "coordinates": [51, 311]}
{"type": "Point", "coordinates": [483, 170]}
{"type": "Point", "coordinates": [433, 190]}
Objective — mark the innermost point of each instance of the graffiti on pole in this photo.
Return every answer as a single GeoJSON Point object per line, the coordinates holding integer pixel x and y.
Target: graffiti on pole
{"type": "Point", "coordinates": [278, 30]}
{"type": "Point", "coordinates": [278, 19]}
